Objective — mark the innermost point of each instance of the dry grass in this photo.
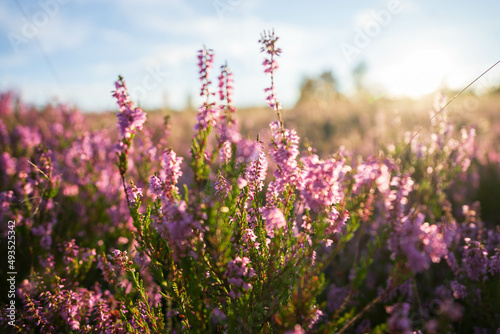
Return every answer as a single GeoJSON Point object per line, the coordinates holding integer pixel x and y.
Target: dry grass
{"type": "Point", "coordinates": [363, 126]}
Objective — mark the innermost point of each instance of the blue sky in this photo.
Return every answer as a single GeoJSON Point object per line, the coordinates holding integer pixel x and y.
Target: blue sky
{"type": "Point", "coordinates": [72, 50]}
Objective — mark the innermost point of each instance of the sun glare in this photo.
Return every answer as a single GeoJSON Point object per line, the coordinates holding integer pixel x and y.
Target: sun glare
{"type": "Point", "coordinates": [415, 72]}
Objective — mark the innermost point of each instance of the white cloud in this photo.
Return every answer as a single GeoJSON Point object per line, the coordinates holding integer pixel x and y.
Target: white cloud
{"type": "Point", "coordinates": [10, 61]}
{"type": "Point", "coordinates": [64, 34]}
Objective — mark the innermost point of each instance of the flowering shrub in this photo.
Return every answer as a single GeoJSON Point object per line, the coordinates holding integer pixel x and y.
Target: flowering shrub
{"type": "Point", "coordinates": [265, 239]}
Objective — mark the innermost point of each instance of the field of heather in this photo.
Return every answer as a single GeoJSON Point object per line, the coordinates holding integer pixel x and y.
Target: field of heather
{"type": "Point", "coordinates": [335, 215]}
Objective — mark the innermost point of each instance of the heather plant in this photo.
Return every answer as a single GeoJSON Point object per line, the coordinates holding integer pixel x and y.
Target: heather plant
{"type": "Point", "coordinates": [261, 238]}
{"type": "Point", "coordinates": [58, 186]}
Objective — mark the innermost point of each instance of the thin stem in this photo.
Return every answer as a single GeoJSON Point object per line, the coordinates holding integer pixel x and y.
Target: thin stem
{"type": "Point", "coordinates": [125, 190]}
{"type": "Point", "coordinates": [444, 107]}
{"type": "Point", "coordinates": [365, 309]}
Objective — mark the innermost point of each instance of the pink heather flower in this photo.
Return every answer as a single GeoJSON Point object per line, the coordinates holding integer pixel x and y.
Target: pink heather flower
{"type": "Point", "coordinates": [274, 219]}
{"type": "Point", "coordinates": [321, 182]}
{"type": "Point", "coordinates": [217, 315]}
{"type": "Point", "coordinates": [225, 152]}
{"type": "Point", "coordinates": [271, 97]}
{"type": "Point", "coordinates": [121, 261]}
{"type": "Point", "coordinates": [122, 241]}
{"type": "Point", "coordinates": [130, 119]}
{"type": "Point", "coordinates": [226, 85]}
{"type": "Point", "coordinates": [239, 271]}
{"type": "Point", "coordinates": [433, 241]}
{"type": "Point", "coordinates": [156, 185]}
{"type": "Point", "coordinates": [247, 150]}
{"type": "Point", "coordinates": [419, 242]}
{"type": "Point", "coordinates": [250, 239]}
{"type": "Point", "coordinates": [366, 173]}
{"type": "Point", "coordinates": [222, 187]}
{"type": "Point", "coordinates": [284, 151]}
{"type": "Point", "coordinates": [337, 221]}
{"type": "Point", "coordinates": [452, 263]}
{"type": "Point", "coordinates": [4, 135]}
{"type": "Point", "coordinates": [176, 226]}
{"type": "Point", "coordinates": [206, 117]}
{"type": "Point", "coordinates": [474, 260]}
{"type": "Point", "coordinates": [171, 165]}
{"type": "Point", "coordinates": [417, 260]}
{"type": "Point", "coordinates": [70, 190]}
{"type": "Point", "coordinates": [241, 182]}
{"type": "Point", "coordinates": [114, 265]}
{"type": "Point", "coordinates": [467, 149]}
{"type": "Point", "coordinates": [336, 296]}
{"type": "Point", "coordinates": [493, 240]}
{"type": "Point", "coordinates": [7, 103]}
{"type": "Point", "coordinates": [47, 262]}
{"type": "Point", "coordinates": [459, 290]}
{"type": "Point", "coordinates": [45, 232]}
{"type": "Point", "coordinates": [165, 186]}
{"type": "Point", "coordinates": [315, 318]}
{"type": "Point", "coordinates": [270, 66]}
{"type": "Point", "coordinates": [268, 41]}
{"type": "Point", "coordinates": [7, 164]}
{"type": "Point", "coordinates": [142, 259]}
{"type": "Point", "coordinates": [398, 321]}
{"type": "Point", "coordinates": [205, 63]}
{"type": "Point", "coordinates": [373, 171]}
{"type": "Point", "coordinates": [134, 194]}
{"type": "Point", "coordinates": [27, 136]}
{"type": "Point", "coordinates": [70, 250]}
{"type": "Point", "coordinates": [296, 330]}
{"type": "Point", "coordinates": [6, 198]}
{"type": "Point", "coordinates": [495, 264]}
{"type": "Point", "coordinates": [255, 173]}
{"type": "Point", "coordinates": [228, 130]}
{"type": "Point", "coordinates": [397, 199]}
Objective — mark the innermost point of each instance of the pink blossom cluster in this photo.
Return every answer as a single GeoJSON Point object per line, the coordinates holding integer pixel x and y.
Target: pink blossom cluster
{"type": "Point", "coordinates": [239, 271]}
{"type": "Point", "coordinates": [207, 117]}
{"type": "Point", "coordinates": [115, 265]}
{"type": "Point", "coordinates": [165, 185]}
{"type": "Point", "coordinates": [205, 64]}
{"type": "Point", "coordinates": [284, 151]}
{"type": "Point", "coordinates": [398, 321]}
{"type": "Point", "coordinates": [176, 225]}
{"type": "Point", "coordinates": [130, 119]}
{"type": "Point", "coordinates": [475, 260]}
{"type": "Point", "coordinates": [27, 137]}
{"type": "Point", "coordinates": [321, 181]}
{"type": "Point", "coordinates": [221, 186]}
{"type": "Point", "coordinates": [134, 194]}
{"type": "Point", "coordinates": [255, 174]}
{"type": "Point", "coordinates": [396, 200]}
{"type": "Point", "coordinates": [273, 219]}
{"type": "Point", "coordinates": [268, 41]}
{"type": "Point", "coordinates": [419, 242]}
{"type": "Point", "coordinates": [174, 222]}
{"type": "Point", "coordinates": [226, 85]}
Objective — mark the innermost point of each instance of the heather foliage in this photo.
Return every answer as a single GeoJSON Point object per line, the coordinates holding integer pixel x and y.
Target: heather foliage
{"type": "Point", "coordinates": [262, 238]}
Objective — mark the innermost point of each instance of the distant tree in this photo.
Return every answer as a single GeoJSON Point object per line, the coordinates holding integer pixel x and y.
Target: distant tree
{"type": "Point", "coordinates": [359, 75]}
{"type": "Point", "coordinates": [321, 89]}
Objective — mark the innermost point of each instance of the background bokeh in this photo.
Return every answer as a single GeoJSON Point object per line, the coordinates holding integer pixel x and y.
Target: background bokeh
{"type": "Point", "coordinates": [72, 50]}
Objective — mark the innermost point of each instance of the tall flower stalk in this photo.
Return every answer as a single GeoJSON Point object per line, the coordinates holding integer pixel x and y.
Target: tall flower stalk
{"type": "Point", "coordinates": [130, 120]}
